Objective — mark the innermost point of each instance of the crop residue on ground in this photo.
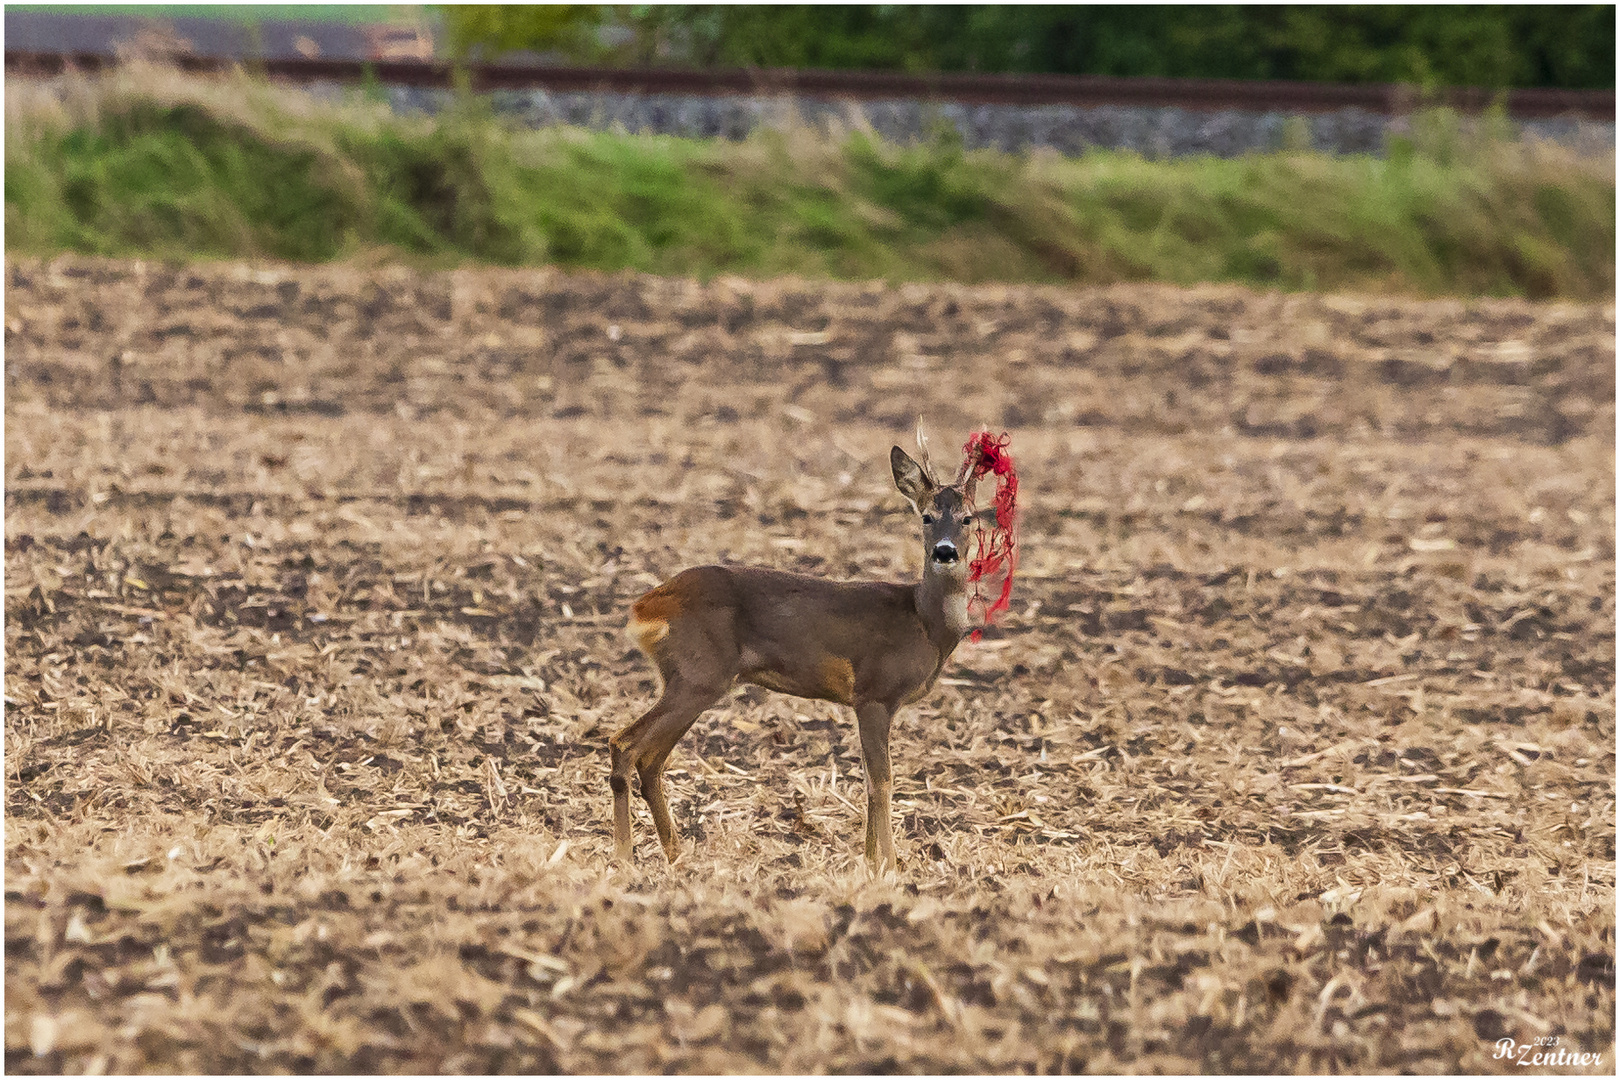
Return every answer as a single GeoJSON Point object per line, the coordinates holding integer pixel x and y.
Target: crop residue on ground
{"type": "Point", "coordinates": [1294, 753]}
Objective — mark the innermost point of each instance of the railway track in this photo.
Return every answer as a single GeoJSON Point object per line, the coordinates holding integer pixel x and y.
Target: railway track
{"type": "Point", "coordinates": [1206, 95]}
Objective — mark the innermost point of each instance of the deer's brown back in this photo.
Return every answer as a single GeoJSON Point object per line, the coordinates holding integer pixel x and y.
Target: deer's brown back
{"type": "Point", "coordinates": [832, 640]}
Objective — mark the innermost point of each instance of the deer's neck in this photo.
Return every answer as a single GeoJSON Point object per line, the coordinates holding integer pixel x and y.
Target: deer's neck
{"type": "Point", "coordinates": [942, 602]}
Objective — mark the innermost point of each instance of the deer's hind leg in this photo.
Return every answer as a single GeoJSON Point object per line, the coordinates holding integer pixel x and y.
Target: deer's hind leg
{"type": "Point", "coordinates": [645, 745]}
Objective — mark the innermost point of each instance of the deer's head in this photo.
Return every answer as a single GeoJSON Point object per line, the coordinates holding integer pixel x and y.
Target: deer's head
{"type": "Point", "coordinates": [946, 511]}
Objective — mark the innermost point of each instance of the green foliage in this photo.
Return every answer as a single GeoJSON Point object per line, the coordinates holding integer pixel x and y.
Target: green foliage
{"type": "Point", "coordinates": [178, 178]}
{"type": "Point", "coordinates": [802, 35]}
{"type": "Point", "coordinates": [931, 187]}
{"type": "Point", "coordinates": [570, 29]}
{"type": "Point", "coordinates": [1453, 209]}
{"type": "Point", "coordinates": [1473, 45]}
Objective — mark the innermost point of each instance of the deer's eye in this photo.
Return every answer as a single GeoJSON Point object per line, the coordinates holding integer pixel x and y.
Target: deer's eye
{"type": "Point", "coordinates": [928, 519]}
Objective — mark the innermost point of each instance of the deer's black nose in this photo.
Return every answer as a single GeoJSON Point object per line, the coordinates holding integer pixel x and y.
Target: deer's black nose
{"type": "Point", "coordinates": [945, 552]}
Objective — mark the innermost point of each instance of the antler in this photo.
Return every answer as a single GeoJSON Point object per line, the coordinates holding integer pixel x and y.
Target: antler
{"type": "Point", "coordinates": [924, 463]}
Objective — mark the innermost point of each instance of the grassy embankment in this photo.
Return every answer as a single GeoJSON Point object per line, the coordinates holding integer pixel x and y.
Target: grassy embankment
{"type": "Point", "coordinates": [153, 163]}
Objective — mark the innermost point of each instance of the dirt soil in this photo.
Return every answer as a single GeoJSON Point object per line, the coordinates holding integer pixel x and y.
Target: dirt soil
{"type": "Point", "coordinates": [1295, 752]}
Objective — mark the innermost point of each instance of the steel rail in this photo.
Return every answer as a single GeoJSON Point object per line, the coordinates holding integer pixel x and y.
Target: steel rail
{"type": "Point", "coordinates": [1077, 90]}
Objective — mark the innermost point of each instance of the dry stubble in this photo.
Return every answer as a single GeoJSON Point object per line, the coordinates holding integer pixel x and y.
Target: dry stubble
{"type": "Point", "coordinates": [1296, 752]}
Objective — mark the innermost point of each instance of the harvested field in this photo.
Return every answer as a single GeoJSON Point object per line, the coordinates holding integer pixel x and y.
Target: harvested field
{"type": "Point", "coordinates": [1295, 753]}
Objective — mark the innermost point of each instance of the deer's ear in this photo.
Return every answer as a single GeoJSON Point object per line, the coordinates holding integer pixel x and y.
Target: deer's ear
{"type": "Point", "coordinates": [909, 478]}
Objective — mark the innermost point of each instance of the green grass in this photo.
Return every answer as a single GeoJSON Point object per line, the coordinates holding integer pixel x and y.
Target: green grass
{"type": "Point", "coordinates": [152, 163]}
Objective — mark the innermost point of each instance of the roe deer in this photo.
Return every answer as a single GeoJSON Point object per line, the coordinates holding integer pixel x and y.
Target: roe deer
{"type": "Point", "coordinates": [874, 646]}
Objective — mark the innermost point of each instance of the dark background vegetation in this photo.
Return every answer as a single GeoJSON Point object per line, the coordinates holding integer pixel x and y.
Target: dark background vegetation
{"type": "Point", "coordinates": [1465, 45]}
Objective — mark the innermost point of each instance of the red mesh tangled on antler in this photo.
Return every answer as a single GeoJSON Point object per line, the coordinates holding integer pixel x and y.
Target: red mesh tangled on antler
{"type": "Point", "coordinates": [996, 549]}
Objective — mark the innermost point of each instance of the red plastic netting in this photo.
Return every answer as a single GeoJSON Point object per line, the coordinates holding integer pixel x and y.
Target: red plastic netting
{"type": "Point", "coordinates": [995, 557]}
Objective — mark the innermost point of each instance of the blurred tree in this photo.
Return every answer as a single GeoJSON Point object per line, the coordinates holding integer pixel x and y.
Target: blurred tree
{"type": "Point", "coordinates": [1475, 45]}
{"type": "Point", "coordinates": [1573, 48]}
{"type": "Point", "coordinates": [572, 30]}
{"type": "Point", "coordinates": [807, 35]}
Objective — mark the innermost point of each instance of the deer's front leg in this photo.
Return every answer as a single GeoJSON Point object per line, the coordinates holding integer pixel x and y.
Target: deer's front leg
{"type": "Point", "coordinates": [873, 719]}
